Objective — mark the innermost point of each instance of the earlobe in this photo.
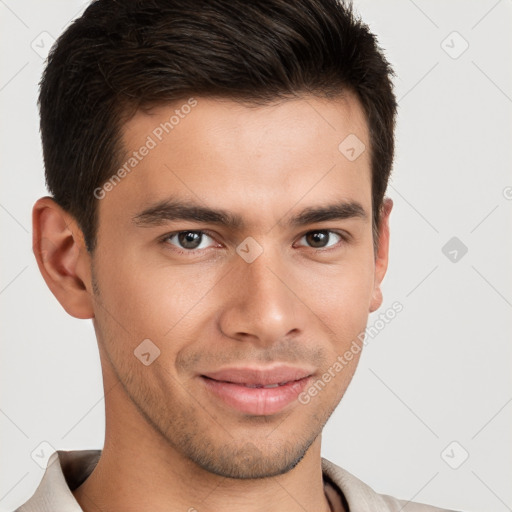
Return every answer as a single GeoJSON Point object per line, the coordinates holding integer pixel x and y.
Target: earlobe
{"type": "Point", "coordinates": [62, 258]}
{"type": "Point", "coordinates": [381, 260]}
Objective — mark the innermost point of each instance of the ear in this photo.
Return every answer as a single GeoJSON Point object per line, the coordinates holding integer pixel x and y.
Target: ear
{"type": "Point", "coordinates": [381, 259]}
{"type": "Point", "coordinates": [62, 257]}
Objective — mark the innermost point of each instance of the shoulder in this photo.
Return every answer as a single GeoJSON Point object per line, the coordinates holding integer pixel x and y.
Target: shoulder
{"type": "Point", "coordinates": [362, 498]}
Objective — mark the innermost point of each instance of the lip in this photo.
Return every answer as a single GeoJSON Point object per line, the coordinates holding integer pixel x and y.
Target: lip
{"type": "Point", "coordinates": [231, 386]}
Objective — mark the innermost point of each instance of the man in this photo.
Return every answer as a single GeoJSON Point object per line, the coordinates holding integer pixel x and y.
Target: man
{"type": "Point", "coordinates": [218, 173]}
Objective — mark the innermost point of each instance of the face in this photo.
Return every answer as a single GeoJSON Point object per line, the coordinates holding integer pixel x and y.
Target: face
{"type": "Point", "coordinates": [210, 249]}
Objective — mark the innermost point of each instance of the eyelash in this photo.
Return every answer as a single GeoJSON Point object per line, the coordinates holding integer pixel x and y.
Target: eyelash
{"type": "Point", "coordinates": [164, 240]}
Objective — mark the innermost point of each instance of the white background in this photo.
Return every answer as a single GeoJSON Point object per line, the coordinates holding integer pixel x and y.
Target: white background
{"type": "Point", "coordinates": [439, 372]}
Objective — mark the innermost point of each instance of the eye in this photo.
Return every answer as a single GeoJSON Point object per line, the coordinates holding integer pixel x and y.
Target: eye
{"type": "Point", "coordinates": [187, 241]}
{"type": "Point", "coordinates": [320, 239]}
{"type": "Point", "coordinates": [191, 241]}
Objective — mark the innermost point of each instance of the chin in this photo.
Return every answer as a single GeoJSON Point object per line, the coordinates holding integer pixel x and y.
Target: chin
{"type": "Point", "coordinates": [250, 461]}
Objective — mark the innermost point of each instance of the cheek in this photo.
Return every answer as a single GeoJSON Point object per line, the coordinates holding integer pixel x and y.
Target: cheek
{"type": "Point", "coordinates": [341, 302]}
{"type": "Point", "coordinates": [340, 295]}
{"type": "Point", "coordinates": [152, 299]}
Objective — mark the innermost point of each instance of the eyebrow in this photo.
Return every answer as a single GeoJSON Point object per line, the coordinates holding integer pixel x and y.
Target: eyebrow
{"type": "Point", "coordinates": [174, 209]}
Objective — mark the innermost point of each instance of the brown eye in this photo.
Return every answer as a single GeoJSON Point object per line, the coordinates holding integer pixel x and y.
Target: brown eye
{"type": "Point", "coordinates": [320, 239]}
{"type": "Point", "coordinates": [188, 240]}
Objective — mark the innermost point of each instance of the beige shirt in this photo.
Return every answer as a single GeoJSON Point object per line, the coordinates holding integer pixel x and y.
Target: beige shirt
{"type": "Point", "coordinates": [66, 470]}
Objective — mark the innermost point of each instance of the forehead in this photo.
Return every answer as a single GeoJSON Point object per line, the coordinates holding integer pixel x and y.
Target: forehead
{"type": "Point", "coordinates": [207, 121]}
{"type": "Point", "coordinates": [261, 158]}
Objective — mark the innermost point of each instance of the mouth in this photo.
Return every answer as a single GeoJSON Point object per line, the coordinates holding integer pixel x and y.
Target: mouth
{"type": "Point", "coordinates": [268, 386]}
{"type": "Point", "coordinates": [259, 392]}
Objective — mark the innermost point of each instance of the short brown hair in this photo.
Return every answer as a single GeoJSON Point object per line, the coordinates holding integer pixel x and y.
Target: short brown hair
{"type": "Point", "coordinates": [121, 56]}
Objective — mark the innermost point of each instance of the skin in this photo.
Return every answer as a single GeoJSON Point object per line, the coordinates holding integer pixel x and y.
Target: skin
{"type": "Point", "coordinates": [167, 437]}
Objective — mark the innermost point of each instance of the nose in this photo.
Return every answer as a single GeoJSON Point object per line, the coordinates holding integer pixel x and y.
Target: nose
{"type": "Point", "coordinates": [260, 303]}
